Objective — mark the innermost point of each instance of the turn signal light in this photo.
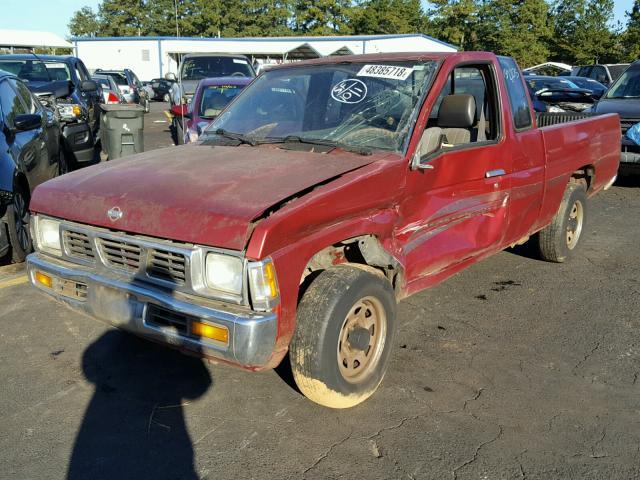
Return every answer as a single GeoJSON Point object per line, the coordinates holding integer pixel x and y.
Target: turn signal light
{"type": "Point", "coordinates": [43, 279]}
{"type": "Point", "coordinates": [77, 111]}
{"type": "Point", "coordinates": [220, 334]}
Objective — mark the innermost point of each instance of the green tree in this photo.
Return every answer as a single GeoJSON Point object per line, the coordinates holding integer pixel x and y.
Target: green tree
{"type": "Point", "coordinates": [582, 32]}
{"type": "Point", "coordinates": [84, 23]}
{"type": "Point", "coordinates": [123, 18]}
{"type": "Point", "coordinates": [322, 17]}
{"type": "Point", "coordinates": [630, 39]}
{"type": "Point", "coordinates": [387, 17]}
{"type": "Point", "coordinates": [519, 29]}
{"type": "Point", "coordinates": [455, 21]}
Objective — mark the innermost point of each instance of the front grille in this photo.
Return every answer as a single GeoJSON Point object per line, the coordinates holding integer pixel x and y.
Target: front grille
{"type": "Point", "coordinates": [120, 254]}
{"type": "Point", "coordinates": [627, 123]}
{"type": "Point", "coordinates": [166, 265]}
{"type": "Point", "coordinates": [163, 318]}
{"type": "Point", "coordinates": [78, 245]}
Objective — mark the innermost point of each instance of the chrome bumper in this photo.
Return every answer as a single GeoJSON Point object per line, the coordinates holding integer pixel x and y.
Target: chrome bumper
{"type": "Point", "coordinates": [125, 303]}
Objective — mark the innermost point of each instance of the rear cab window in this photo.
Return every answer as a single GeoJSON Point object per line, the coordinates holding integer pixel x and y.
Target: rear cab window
{"type": "Point", "coordinates": [518, 96]}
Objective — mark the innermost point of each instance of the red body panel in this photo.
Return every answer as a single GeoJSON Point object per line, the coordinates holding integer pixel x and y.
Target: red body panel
{"type": "Point", "coordinates": [433, 222]}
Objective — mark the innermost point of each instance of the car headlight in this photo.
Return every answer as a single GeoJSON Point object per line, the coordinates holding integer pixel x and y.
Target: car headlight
{"type": "Point", "coordinates": [263, 284]}
{"type": "Point", "coordinates": [224, 273]}
{"type": "Point", "coordinates": [70, 111]}
{"type": "Point", "coordinates": [47, 233]}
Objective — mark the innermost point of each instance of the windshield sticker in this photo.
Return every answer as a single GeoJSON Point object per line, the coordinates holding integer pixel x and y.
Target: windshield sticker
{"type": "Point", "coordinates": [349, 90]}
{"type": "Point", "coordinates": [385, 71]}
{"type": "Point", "coordinates": [237, 60]}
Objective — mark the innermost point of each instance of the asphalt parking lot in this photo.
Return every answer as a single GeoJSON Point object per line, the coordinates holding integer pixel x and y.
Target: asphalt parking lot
{"type": "Point", "coordinates": [514, 368]}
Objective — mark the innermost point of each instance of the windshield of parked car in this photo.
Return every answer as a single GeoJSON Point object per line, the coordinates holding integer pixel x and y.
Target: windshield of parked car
{"type": "Point", "coordinates": [627, 86]}
{"type": "Point", "coordinates": [197, 68]}
{"type": "Point", "coordinates": [215, 98]}
{"type": "Point", "coordinates": [103, 82]}
{"type": "Point", "coordinates": [36, 70]}
{"type": "Point", "coordinates": [356, 104]}
{"type": "Point", "coordinates": [538, 84]}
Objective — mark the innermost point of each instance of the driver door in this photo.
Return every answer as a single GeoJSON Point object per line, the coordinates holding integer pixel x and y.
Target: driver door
{"type": "Point", "coordinates": [457, 202]}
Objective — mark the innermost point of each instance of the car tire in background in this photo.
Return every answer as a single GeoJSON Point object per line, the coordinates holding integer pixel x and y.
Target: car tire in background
{"type": "Point", "coordinates": [147, 105]}
{"type": "Point", "coordinates": [166, 97]}
{"type": "Point", "coordinates": [344, 335]}
{"type": "Point", "coordinates": [18, 225]}
{"type": "Point", "coordinates": [558, 240]}
{"type": "Point", "coordinates": [63, 162]}
{"type": "Point", "coordinates": [179, 133]}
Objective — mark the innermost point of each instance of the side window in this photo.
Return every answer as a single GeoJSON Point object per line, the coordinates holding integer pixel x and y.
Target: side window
{"type": "Point", "coordinates": [471, 89]}
{"type": "Point", "coordinates": [25, 96]}
{"type": "Point", "coordinates": [10, 103]}
{"type": "Point", "coordinates": [599, 74]}
{"type": "Point", "coordinates": [518, 97]}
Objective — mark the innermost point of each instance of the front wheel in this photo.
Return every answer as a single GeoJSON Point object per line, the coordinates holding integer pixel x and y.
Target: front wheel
{"type": "Point", "coordinates": [344, 333]}
{"type": "Point", "coordinates": [558, 240]}
{"type": "Point", "coordinates": [18, 226]}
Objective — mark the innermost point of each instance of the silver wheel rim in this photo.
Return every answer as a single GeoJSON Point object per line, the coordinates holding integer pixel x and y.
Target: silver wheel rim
{"type": "Point", "coordinates": [574, 224]}
{"type": "Point", "coordinates": [368, 319]}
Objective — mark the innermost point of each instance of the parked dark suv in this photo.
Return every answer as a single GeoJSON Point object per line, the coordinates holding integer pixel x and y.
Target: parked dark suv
{"type": "Point", "coordinates": [30, 153]}
{"type": "Point", "coordinates": [623, 98]}
{"type": "Point", "coordinates": [130, 86]}
{"type": "Point", "coordinates": [66, 82]}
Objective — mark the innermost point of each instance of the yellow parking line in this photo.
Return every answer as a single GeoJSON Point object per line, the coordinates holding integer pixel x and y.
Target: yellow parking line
{"type": "Point", "coordinates": [14, 281]}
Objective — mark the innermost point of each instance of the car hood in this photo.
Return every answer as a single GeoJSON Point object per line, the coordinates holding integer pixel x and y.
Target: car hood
{"type": "Point", "coordinates": [625, 107]}
{"type": "Point", "coordinates": [195, 193]}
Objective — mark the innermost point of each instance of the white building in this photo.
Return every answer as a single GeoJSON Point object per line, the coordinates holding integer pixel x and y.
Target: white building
{"type": "Point", "coordinates": [11, 40]}
{"type": "Point", "coordinates": [152, 57]}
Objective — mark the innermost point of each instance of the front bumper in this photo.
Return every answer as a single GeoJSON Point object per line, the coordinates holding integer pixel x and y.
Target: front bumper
{"type": "Point", "coordinates": [128, 304]}
{"type": "Point", "coordinates": [79, 140]}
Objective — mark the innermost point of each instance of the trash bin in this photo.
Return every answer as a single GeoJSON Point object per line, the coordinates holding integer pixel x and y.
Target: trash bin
{"type": "Point", "coordinates": [121, 127]}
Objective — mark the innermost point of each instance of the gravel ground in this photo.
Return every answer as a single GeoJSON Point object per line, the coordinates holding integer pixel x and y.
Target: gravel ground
{"type": "Point", "coordinates": [514, 368]}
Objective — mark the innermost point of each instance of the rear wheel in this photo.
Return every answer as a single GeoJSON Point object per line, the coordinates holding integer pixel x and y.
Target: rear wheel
{"type": "Point", "coordinates": [558, 240]}
{"type": "Point", "coordinates": [166, 97]}
{"type": "Point", "coordinates": [344, 333]}
{"type": "Point", "coordinates": [18, 226]}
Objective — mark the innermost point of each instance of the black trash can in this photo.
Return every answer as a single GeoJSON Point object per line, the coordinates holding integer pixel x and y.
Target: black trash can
{"type": "Point", "coordinates": [122, 127]}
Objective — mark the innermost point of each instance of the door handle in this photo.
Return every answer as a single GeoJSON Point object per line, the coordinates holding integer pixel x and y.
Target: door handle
{"type": "Point", "coordinates": [495, 173]}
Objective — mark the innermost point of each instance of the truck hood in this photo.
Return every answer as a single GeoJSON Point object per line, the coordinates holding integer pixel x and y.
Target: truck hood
{"type": "Point", "coordinates": [625, 107]}
{"type": "Point", "coordinates": [195, 193]}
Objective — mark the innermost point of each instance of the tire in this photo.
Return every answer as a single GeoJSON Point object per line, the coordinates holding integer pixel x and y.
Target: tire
{"type": "Point", "coordinates": [329, 366]}
{"type": "Point", "coordinates": [166, 98]}
{"type": "Point", "coordinates": [558, 240]}
{"type": "Point", "coordinates": [147, 106]}
{"type": "Point", "coordinates": [18, 226]}
{"type": "Point", "coordinates": [63, 163]}
{"type": "Point", "coordinates": [179, 134]}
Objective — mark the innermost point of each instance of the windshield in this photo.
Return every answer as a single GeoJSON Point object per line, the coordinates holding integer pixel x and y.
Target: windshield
{"type": "Point", "coordinates": [36, 70]}
{"type": "Point", "coordinates": [627, 86]}
{"type": "Point", "coordinates": [549, 83]}
{"type": "Point", "coordinates": [197, 68]}
{"type": "Point", "coordinates": [103, 82]}
{"type": "Point", "coordinates": [215, 98]}
{"type": "Point", "coordinates": [356, 104]}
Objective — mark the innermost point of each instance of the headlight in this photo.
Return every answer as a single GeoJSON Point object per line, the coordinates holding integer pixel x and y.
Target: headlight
{"type": "Point", "coordinates": [224, 273]}
{"type": "Point", "coordinates": [263, 284]}
{"type": "Point", "coordinates": [48, 235]}
{"type": "Point", "coordinates": [71, 111]}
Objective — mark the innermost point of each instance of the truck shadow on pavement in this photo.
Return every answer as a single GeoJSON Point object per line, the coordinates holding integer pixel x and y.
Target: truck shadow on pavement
{"type": "Point", "coordinates": [134, 426]}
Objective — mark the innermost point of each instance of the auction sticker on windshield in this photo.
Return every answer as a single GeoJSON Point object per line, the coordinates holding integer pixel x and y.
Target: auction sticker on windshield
{"type": "Point", "coordinates": [350, 90]}
{"type": "Point", "coordinates": [385, 71]}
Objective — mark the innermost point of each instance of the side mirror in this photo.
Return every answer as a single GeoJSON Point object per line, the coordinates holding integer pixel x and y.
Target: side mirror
{"type": "Point", "coordinates": [28, 121]}
{"type": "Point", "coordinates": [88, 86]}
{"type": "Point", "coordinates": [180, 111]}
{"type": "Point", "coordinates": [170, 76]}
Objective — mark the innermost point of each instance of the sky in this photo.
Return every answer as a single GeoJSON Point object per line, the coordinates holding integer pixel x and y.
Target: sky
{"type": "Point", "coordinates": [54, 15]}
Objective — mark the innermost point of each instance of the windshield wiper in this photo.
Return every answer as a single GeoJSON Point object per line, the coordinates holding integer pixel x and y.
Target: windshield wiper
{"type": "Point", "coordinates": [293, 139]}
{"type": "Point", "coordinates": [236, 136]}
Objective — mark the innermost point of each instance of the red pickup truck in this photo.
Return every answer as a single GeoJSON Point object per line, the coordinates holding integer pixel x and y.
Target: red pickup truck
{"type": "Point", "coordinates": [326, 192]}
